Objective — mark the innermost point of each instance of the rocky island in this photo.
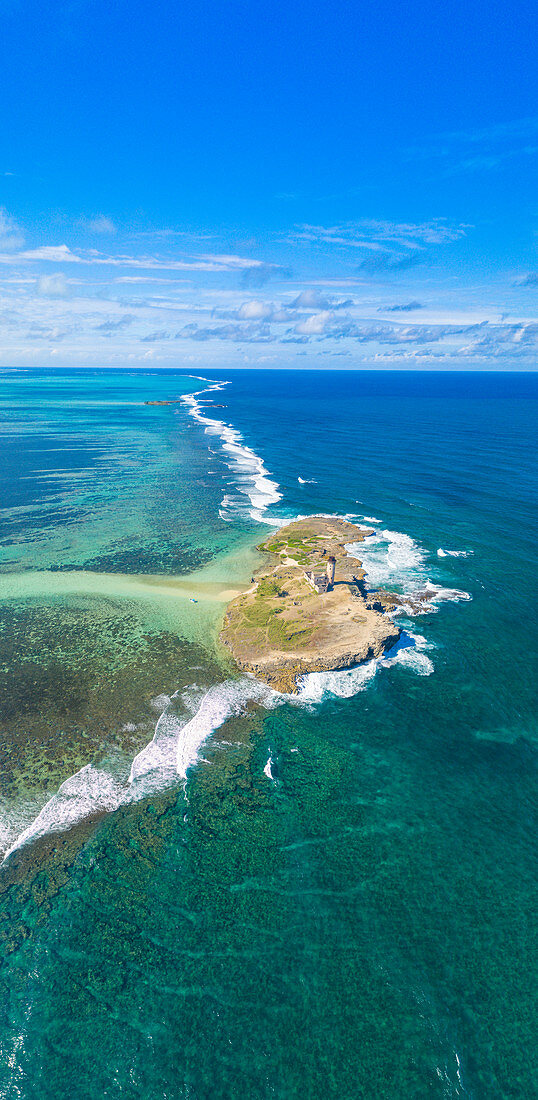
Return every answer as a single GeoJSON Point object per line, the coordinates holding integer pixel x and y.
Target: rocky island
{"type": "Point", "coordinates": [308, 609]}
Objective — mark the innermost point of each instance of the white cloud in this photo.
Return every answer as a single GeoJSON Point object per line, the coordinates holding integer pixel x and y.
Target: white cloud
{"type": "Point", "coordinates": [524, 128]}
{"type": "Point", "coordinates": [61, 253]}
{"type": "Point", "coordinates": [45, 300]}
{"type": "Point", "coordinates": [128, 279]}
{"type": "Point", "coordinates": [374, 235]}
{"type": "Point", "coordinates": [112, 325]}
{"type": "Point", "coordinates": [485, 149]}
{"type": "Point", "coordinates": [232, 261]}
{"type": "Point", "coordinates": [52, 286]}
{"type": "Point", "coordinates": [55, 253]}
{"type": "Point", "coordinates": [256, 311]}
{"type": "Point", "coordinates": [101, 224]}
{"type": "Point", "coordinates": [315, 325]}
{"type": "Point", "coordinates": [314, 300]}
{"type": "Point", "coordinates": [11, 236]}
{"type": "Point", "coordinates": [410, 234]}
{"type": "Point", "coordinates": [310, 299]}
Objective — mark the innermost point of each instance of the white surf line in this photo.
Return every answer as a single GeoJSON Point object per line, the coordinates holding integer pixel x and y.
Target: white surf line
{"type": "Point", "coordinates": [89, 791]}
{"type": "Point", "coordinates": [175, 745]}
{"type": "Point", "coordinates": [253, 482]}
{"type": "Point", "coordinates": [391, 557]}
{"type": "Point", "coordinates": [165, 761]}
{"type": "Point", "coordinates": [439, 593]}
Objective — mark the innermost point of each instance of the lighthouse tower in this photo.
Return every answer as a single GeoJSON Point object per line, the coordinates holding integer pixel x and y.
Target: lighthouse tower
{"type": "Point", "coordinates": [331, 565]}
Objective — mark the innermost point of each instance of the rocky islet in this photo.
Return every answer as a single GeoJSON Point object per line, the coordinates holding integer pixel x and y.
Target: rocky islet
{"type": "Point", "coordinates": [283, 627]}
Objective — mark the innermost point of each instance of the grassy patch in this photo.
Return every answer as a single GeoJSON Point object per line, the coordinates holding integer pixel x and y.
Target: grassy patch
{"type": "Point", "coordinates": [268, 588]}
{"type": "Point", "coordinates": [273, 547]}
{"type": "Point", "coordinates": [288, 634]}
{"type": "Point", "coordinates": [258, 613]}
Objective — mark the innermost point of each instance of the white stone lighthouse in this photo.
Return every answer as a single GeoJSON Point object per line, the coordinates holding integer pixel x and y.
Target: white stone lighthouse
{"type": "Point", "coordinates": [331, 566]}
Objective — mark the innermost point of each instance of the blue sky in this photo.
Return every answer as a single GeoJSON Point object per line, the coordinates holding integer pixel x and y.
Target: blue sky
{"type": "Point", "coordinates": [282, 184]}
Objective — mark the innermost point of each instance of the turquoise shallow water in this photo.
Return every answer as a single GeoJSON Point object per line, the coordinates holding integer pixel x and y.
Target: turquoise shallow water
{"type": "Point", "coordinates": [341, 902]}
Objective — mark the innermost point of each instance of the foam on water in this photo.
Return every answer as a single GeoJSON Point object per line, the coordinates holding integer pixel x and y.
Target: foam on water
{"type": "Point", "coordinates": [160, 702]}
{"type": "Point", "coordinates": [409, 652]}
{"type": "Point", "coordinates": [391, 557]}
{"type": "Point", "coordinates": [315, 686]}
{"type": "Point", "coordinates": [89, 791]}
{"type": "Point", "coordinates": [268, 769]}
{"type": "Point", "coordinates": [453, 553]}
{"type": "Point", "coordinates": [437, 593]}
{"type": "Point", "coordinates": [254, 489]}
{"type": "Point", "coordinates": [15, 816]}
{"type": "Point", "coordinates": [414, 660]}
{"type": "Point", "coordinates": [156, 765]}
{"type": "Point", "coordinates": [221, 702]}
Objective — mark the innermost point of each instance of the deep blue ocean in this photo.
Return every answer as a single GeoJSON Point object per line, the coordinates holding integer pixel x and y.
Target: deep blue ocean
{"type": "Point", "coordinates": [213, 893]}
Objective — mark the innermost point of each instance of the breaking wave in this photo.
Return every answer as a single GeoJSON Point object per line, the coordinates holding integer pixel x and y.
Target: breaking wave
{"type": "Point", "coordinates": [163, 763]}
{"type": "Point", "coordinates": [391, 557]}
{"type": "Point", "coordinates": [189, 719]}
{"type": "Point", "coordinates": [88, 792]}
{"type": "Point", "coordinates": [409, 652]}
{"type": "Point", "coordinates": [254, 490]}
{"type": "Point", "coordinates": [175, 744]}
{"type": "Point", "coordinates": [437, 593]}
